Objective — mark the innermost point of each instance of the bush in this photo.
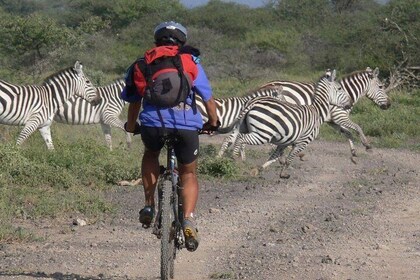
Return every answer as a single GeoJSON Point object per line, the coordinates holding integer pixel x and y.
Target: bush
{"type": "Point", "coordinates": [216, 167]}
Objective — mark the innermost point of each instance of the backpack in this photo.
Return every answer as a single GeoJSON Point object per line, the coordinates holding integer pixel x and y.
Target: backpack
{"type": "Point", "coordinates": [170, 86]}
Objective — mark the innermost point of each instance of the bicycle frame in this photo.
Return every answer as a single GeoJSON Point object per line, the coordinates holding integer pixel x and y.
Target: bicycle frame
{"type": "Point", "coordinates": [168, 223]}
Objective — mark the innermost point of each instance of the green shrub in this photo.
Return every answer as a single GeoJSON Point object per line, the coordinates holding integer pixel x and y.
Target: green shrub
{"type": "Point", "coordinates": [210, 165]}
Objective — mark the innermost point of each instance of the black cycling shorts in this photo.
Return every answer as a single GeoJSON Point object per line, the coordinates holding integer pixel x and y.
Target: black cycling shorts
{"type": "Point", "coordinates": [186, 148]}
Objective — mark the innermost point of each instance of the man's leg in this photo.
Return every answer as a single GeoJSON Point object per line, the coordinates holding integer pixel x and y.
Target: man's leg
{"type": "Point", "coordinates": [150, 172]}
{"type": "Point", "coordinates": [189, 182]}
{"type": "Point", "coordinates": [187, 152]}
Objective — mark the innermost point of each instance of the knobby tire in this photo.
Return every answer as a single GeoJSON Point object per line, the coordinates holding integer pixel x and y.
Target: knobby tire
{"type": "Point", "coordinates": [167, 241]}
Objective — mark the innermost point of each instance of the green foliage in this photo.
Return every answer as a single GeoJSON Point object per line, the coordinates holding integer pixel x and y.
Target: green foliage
{"type": "Point", "coordinates": [10, 234]}
{"type": "Point", "coordinates": [33, 36]}
{"type": "Point", "coordinates": [236, 41]}
{"type": "Point", "coordinates": [396, 127]}
{"type": "Point", "coordinates": [230, 19]}
{"type": "Point", "coordinates": [20, 7]}
{"type": "Point", "coordinates": [215, 167]}
{"type": "Point", "coordinates": [71, 178]}
{"type": "Point", "coordinates": [241, 49]}
{"type": "Point", "coordinates": [304, 13]}
{"type": "Point", "coordinates": [401, 24]}
{"type": "Point", "coordinates": [223, 275]}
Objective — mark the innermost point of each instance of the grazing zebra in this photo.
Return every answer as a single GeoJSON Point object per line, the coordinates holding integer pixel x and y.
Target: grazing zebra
{"type": "Point", "coordinates": [357, 85]}
{"type": "Point", "coordinates": [228, 109]}
{"type": "Point", "coordinates": [77, 111]}
{"type": "Point", "coordinates": [269, 120]}
{"type": "Point", "coordinates": [34, 106]}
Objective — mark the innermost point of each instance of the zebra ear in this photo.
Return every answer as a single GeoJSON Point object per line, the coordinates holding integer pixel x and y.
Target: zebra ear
{"type": "Point", "coordinates": [328, 73]}
{"type": "Point", "coordinates": [376, 72]}
{"type": "Point", "coordinates": [331, 75]}
{"type": "Point", "coordinates": [78, 67]}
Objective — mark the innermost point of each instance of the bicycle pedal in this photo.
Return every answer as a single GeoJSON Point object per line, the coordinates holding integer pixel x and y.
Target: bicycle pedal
{"type": "Point", "coordinates": [157, 232]}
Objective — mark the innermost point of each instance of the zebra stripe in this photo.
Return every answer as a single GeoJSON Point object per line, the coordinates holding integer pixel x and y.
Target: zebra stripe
{"type": "Point", "coordinates": [357, 85]}
{"type": "Point", "coordinates": [35, 105]}
{"type": "Point", "coordinates": [268, 120]}
{"type": "Point", "coordinates": [228, 109]}
{"type": "Point", "coordinates": [76, 111]}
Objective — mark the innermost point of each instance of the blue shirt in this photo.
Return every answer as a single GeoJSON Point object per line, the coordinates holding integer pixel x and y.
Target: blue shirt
{"type": "Point", "coordinates": [176, 117]}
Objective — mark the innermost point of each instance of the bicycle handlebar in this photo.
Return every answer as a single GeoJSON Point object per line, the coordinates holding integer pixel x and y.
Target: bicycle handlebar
{"type": "Point", "coordinates": [209, 129]}
{"type": "Point", "coordinates": [137, 129]}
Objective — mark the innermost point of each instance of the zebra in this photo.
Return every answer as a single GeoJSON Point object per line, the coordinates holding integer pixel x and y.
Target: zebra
{"type": "Point", "coordinates": [34, 106]}
{"type": "Point", "coordinates": [77, 111]}
{"type": "Point", "coordinates": [228, 109]}
{"type": "Point", "coordinates": [356, 84]}
{"type": "Point", "coordinates": [269, 120]}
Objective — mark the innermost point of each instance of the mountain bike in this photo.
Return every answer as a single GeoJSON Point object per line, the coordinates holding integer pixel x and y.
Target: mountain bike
{"type": "Point", "coordinates": [169, 218]}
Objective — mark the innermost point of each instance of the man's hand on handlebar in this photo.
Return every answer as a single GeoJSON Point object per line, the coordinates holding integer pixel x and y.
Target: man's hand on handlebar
{"type": "Point", "coordinates": [209, 129]}
{"type": "Point", "coordinates": [135, 131]}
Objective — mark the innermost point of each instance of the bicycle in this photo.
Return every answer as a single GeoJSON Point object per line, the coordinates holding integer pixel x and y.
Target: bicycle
{"type": "Point", "coordinates": [168, 222]}
{"type": "Point", "coordinates": [170, 217]}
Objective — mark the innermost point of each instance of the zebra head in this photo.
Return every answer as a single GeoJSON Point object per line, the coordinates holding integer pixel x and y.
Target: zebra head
{"type": "Point", "coordinates": [83, 87]}
{"type": "Point", "coordinates": [376, 90]}
{"type": "Point", "coordinates": [336, 94]}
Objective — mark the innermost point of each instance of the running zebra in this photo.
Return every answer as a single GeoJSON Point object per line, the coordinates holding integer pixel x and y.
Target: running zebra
{"type": "Point", "coordinates": [357, 85]}
{"type": "Point", "coordinates": [34, 106]}
{"type": "Point", "coordinates": [77, 111]}
{"type": "Point", "coordinates": [269, 120]}
{"type": "Point", "coordinates": [228, 109]}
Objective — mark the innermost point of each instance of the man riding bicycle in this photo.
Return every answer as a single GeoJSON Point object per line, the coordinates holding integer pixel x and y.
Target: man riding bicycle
{"type": "Point", "coordinates": [182, 120]}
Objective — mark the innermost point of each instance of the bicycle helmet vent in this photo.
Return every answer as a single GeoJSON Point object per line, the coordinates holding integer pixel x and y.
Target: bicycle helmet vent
{"type": "Point", "coordinates": [170, 32]}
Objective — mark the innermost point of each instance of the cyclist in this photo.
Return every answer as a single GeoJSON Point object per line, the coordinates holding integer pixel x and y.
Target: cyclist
{"type": "Point", "coordinates": [184, 121]}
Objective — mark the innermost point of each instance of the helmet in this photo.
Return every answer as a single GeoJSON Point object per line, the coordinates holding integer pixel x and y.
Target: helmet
{"type": "Point", "coordinates": [170, 32]}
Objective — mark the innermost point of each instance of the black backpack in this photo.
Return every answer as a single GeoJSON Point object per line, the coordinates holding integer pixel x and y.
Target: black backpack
{"type": "Point", "coordinates": [169, 88]}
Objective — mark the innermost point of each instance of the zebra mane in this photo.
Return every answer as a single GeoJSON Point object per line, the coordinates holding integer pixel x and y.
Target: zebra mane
{"type": "Point", "coordinates": [254, 91]}
{"type": "Point", "coordinates": [119, 81]}
{"type": "Point", "coordinates": [48, 78]}
{"type": "Point", "coordinates": [354, 73]}
{"type": "Point", "coordinates": [318, 84]}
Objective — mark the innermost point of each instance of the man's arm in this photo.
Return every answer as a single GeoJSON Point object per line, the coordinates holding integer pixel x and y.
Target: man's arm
{"type": "Point", "coordinates": [210, 106]}
{"type": "Point", "coordinates": [132, 115]}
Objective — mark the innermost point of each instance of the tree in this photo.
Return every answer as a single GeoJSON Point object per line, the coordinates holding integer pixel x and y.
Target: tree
{"type": "Point", "coordinates": [400, 26]}
{"type": "Point", "coordinates": [32, 37]}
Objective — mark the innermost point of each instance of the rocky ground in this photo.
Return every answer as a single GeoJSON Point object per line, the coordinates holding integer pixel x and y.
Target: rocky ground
{"type": "Point", "coordinates": [332, 220]}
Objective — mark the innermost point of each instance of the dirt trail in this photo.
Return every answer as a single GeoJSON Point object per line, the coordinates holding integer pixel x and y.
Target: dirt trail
{"type": "Point", "coordinates": [332, 220]}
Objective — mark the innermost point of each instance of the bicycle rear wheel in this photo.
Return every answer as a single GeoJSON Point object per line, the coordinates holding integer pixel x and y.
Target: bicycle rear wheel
{"type": "Point", "coordinates": [167, 239]}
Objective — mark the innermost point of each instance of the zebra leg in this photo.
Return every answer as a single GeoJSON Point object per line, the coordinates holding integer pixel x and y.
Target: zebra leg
{"type": "Point", "coordinates": [30, 126]}
{"type": "Point", "coordinates": [275, 156]}
{"type": "Point", "coordinates": [296, 149]}
{"type": "Point", "coordinates": [242, 152]}
{"type": "Point", "coordinates": [226, 143]}
{"type": "Point", "coordinates": [252, 138]}
{"type": "Point", "coordinates": [237, 145]}
{"type": "Point", "coordinates": [46, 135]}
{"type": "Point", "coordinates": [351, 125]}
{"type": "Point", "coordinates": [116, 122]}
{"type": "Point", "coordinates": [128, 139]}
{"type": "Point", "coordinates": [106, 129]}
{"type": "Point", "coordinates": [349, 137]}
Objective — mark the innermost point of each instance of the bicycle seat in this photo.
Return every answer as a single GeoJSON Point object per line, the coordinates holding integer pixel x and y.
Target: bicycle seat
{"type": "Point", "coordinates": [170, 139]}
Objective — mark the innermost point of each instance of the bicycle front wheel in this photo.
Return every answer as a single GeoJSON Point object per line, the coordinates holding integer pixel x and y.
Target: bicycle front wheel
{"type": "Point", "coordinates": [167, 239]}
